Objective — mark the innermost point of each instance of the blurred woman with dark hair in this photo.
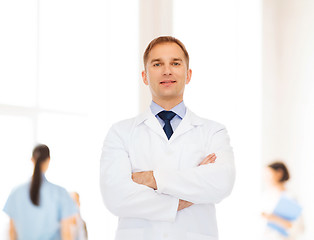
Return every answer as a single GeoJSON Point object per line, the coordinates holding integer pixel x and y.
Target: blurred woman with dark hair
{"type": "Point", "coordinates": [40, 210]}
{"type": "Point", "coordinates": [281, 210]}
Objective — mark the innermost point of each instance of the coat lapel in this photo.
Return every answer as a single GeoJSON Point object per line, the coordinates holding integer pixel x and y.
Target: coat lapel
{"type": "Point", "coordinates": [188, 122]}
{"type": "Point", "coordinates": [152, 122]}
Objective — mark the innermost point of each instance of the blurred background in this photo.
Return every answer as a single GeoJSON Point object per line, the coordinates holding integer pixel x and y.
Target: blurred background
{"type": "Point", "coordinates": [68, 67]}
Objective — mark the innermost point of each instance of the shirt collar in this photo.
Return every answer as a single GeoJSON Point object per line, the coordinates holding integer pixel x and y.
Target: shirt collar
{"type": "Point", "coordinates": [179, 109]}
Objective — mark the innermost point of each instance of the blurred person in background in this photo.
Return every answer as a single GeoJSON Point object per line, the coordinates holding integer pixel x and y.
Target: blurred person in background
{"type": "Point", "coordinates": [78, 226]}
{"type": "Point", "coordinates": [40, 210]}
{"type": "Point", "coordinates": [281, 211]}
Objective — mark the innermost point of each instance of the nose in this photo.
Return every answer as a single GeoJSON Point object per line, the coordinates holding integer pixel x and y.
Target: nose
{"type": "Point", "coordinates": [167, 70]}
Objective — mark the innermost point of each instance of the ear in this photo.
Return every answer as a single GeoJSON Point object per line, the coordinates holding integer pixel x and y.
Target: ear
{"type": "Point", "coordinates": [144, 77]}
{"type": "Point", "coordinates": [188, 76]}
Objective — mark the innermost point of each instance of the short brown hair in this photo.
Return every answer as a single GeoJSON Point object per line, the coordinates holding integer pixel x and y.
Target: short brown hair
{"type": "Point", "coordinates": [165, 39]}
{"type": "Point", "coordinates": [280, 166]}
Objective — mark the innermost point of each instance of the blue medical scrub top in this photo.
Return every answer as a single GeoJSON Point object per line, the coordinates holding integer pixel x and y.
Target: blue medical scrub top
{"type": "Point", "coordinates": [39, 222]}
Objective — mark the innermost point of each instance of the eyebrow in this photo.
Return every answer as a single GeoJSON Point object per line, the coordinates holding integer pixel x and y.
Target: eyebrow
{"type": "Point", "coordinates": [155, 60]}
{"type": "Point", "coordinates": [158, 60]}
{"type": "Point", "coordinates": [177, 59]}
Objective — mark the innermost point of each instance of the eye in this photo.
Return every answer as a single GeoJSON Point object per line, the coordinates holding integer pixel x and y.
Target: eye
{"type": "Point", "coordinates": [156, 64]}
{"type": "Point", "coordinates": [176, 64]}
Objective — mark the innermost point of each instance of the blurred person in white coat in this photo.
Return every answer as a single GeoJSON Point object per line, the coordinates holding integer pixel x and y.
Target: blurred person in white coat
{"type": "Point", "coordinates": [163, 171]}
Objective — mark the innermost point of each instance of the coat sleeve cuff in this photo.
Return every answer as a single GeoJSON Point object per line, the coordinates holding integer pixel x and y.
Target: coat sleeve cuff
{"type": "Point", "coordinates": [161, 180]}
{"type": "Point", "coordinates": [174, 209]}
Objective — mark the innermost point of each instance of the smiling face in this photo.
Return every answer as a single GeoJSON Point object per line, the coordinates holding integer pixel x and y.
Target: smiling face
{"type": "Point", "coordinates": [166, 74]}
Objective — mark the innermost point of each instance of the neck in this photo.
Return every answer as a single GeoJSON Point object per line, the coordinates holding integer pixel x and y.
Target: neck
{"type": "Point", "coordinates": [280, 187]}
{"type": "Point", "coordinates": [168, 104]}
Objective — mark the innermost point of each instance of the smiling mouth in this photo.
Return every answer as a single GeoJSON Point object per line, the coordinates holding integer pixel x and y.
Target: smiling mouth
{"type": "Point", "coordinates": [166, 82]}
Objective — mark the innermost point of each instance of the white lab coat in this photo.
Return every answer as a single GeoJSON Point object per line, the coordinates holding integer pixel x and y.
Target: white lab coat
{"type": "Point", "coordinates": [140, 144]}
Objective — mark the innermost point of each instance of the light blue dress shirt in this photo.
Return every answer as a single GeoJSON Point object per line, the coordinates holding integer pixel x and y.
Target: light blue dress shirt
{"type": "Point", "coordinates": [179, 110]}
{"type": "Point", "coordinates": [39, 222]}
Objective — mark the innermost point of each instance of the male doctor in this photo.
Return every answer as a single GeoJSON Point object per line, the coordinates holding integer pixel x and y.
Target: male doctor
{"type": "Point", "coordinates": [163, 171]}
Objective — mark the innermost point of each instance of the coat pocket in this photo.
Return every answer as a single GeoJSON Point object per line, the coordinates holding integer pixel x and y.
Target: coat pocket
{"type": "Point", "coordinates": [197, 236]}
{"type": "Point", "coordinates": [130, 234]}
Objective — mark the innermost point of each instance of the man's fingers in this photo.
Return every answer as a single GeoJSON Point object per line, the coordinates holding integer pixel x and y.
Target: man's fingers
{"type": "Point", "coordinates": [136, 177]}
{"type": "Point", "coordinates": [184, 204]}
{"type": "Point", "coordinates": [209, 159]}
{"type": "Point", "coordinates": [133, 176]}
{"type": "Point", "coordinates": [212, 159]}
{"type": "Point", "coordinates": [203, 162]}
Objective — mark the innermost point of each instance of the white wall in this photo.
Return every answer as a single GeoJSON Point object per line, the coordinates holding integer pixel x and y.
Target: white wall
{"type": "Point", "coordinates": [224, 42]}
{"type": "Point", "coordinates": [155, 19]}
{"type": "Point", "coordinates": [288, 100]}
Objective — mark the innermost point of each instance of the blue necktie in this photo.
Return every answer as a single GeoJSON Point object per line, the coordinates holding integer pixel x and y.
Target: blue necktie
{"type": "Point", "coordinates": [166, 116]}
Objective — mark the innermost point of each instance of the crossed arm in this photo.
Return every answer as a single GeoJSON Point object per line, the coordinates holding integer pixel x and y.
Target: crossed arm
{"type": "Point", "coordinates": [159, 194]}
{"type": "Point", "coordinates": [147, 178]}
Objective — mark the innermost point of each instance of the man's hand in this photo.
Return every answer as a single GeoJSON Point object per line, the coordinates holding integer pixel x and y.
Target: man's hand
{"type": "Point", "coordinates": [184, 204]}
{"type": "Point", "coordinates": [145, 178]}
{"type": "Point", "coordinates": [209, 159]}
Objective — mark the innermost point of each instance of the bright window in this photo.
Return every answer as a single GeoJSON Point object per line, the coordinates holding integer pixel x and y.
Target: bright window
{"type": "Point", "coordinates": [63, 65]}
